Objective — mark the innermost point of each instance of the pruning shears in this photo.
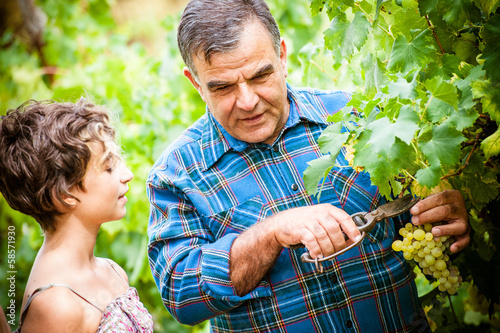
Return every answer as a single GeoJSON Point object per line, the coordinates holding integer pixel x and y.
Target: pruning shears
{"type": "Point", "coordinates": [366, 222]}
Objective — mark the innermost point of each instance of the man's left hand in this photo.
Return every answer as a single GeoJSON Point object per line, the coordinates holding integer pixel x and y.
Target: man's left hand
{"type": "Point", "coordinates": [447, 206]}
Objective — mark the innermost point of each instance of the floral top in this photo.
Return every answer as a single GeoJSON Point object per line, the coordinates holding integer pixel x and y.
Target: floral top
{"type": "Point", "coordinates": [126, 314]}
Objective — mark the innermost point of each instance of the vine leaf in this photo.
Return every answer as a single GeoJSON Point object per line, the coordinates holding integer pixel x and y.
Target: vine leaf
{"type": "Point", "coordinates": [429, 176]}
{"type": "Point", "coordinates": [490, 97]}
{"type": "Point", "coordinates": [347, 35]}
{"type": "Point", "coordinates": [442, 145]}
{"type": "Point", "coordinates": [443, 90]}
{"type": "Point", "coordinates": [407, 124]}
{"type": "Point", "coordinates": [456, 12]}
{"type": "Point", "coordinates": [406, 56]}
{"type": "Point", "coordinates": [331, 140]}
{"type": "Point", "coordinates": [373, 74]}
{"type": "Point", "coordinates": [491, 145]}
{"type": "Point", "coordinates": [491, 53]}
{"type": "Point", "coordinates": [488, 6]}
{"type": "Point", "coordinates": [403, 89]}
{"type": "Point", "coordinates": [317, 170]}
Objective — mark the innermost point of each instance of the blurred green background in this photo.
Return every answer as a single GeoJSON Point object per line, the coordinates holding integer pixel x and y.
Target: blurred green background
{"type": "Point", "coordinates": [123, 54]}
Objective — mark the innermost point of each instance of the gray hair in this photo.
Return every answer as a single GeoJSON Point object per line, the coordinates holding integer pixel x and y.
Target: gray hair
{"type": "Point", "coordinates": [208, 27]}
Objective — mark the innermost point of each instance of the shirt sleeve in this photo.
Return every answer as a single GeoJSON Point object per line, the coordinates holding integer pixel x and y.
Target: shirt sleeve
{"type": "Point", "coordinates": [190, 264]}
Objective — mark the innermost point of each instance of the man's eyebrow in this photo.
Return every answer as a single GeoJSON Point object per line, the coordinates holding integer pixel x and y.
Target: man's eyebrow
{"type": "Point", "coordinates": [264, 70]}
{"type": "Point", "coordinates": [215, 84]}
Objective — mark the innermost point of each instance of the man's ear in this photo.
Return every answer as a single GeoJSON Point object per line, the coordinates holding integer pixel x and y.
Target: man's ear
{"type": "Point", "coordinates": [194, 82]}
{"type": "Point", "coordinates": [283, 56]}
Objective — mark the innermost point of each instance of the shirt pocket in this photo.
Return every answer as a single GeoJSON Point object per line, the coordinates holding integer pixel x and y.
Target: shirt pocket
{"type": "Point", "coordinates": [238, 218]}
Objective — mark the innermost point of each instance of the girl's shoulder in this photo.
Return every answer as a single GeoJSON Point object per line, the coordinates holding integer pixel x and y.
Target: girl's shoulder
{"type": "Point", "coordinates": [57, 307]}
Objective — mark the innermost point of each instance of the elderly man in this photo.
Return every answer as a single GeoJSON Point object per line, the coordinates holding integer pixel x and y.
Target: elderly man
{"type": "Point", "coordinates": [228, 202]}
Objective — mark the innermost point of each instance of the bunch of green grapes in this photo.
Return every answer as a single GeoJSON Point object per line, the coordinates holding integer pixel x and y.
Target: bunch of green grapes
{"type": "Point", "coordinates": [431, 253]}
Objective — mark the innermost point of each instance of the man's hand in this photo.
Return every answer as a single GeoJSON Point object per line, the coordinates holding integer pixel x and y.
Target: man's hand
{"type": "Point", "coordinates": [448, 206]}
{"type": "Point", "coordinates": [319, 228]}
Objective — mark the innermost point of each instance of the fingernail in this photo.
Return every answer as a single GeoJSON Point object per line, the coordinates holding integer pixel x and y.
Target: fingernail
{"type": "Point", "coordinates": [414, 220]}
{"type": "Point", "coordinates": [436, 232]}
{"type": "Point", "coordinates": [357, 238]}
{"type": "Point", "coordinates": [319, 256]}
{"type": "Point", "coordinates": [415, 210]}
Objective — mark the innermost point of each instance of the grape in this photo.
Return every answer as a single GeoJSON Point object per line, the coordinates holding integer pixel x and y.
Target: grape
{"type": "Point", "coordinates": [440, 264]}
{"type": "Point", "coordinates": [430, 260]}
{"type": "Point", "coordinates": [397, 245]}
{"type": "Point", "coordinates": [436, 252]}
{"type": "Point", "coordinates": [430, 253]}
{"type": "Point", "coordinates": [419, 234]}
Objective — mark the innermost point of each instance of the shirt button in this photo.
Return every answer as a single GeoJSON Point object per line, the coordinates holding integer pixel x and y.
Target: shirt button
{"type": "Point", "coordinates": [348, 323]}
{"type": "Point", "coordinates": [334, 279]}
{"type": "Point", "coordinates": [276, 149]}
{"type": "Point", "coordinates": [295, 187]}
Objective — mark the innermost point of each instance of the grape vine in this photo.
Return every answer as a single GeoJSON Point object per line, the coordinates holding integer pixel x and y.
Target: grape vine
{"type": "Point", "coordinates": [427, 119]}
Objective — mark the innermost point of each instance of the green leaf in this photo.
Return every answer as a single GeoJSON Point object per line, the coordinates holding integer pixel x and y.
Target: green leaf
{"type": "Point", "coordinates": [437, 110]}
{"type": "Point", "coordinates": [407, 124]}
{"type": "Point", "coordinates": [464, 118]}
{"type": "Point", "coordinates": [373, 74]}
{"type": "Point", "coordinates": [383, 165]}
{"type": "Point", "coordinates": [488, 6]}
{"type": "Point", "coordinates": [331, 140]}
{"type": "Point", "coordinates": [466, 47]}
{"type": "Point", "coordinates": [491, 52]}
{"type": "Point", "coordinates": [407, 56]}
{"type": "Point", "coordinates": [403, 89]}
{"type": "Point", "coordinates": [443, 90]}
{"type": "Point", "coordinates": [316, 7]}
{"type": "Point", "coordinates": [456, 12]}
{"type": "Point", "coordinates": [491, 145]}
{"type": "Point", "coordinates": [442, 145]}
{"type": "Point", "coordinates": [429, 176]}
{"type": "Point", "coordinates": [490, 97]}
{"type": "Point", "coordinates": [317, 170]}
{"type": "Point", "coordinates": [426, 6]}
{"type": "Point", "coordinates": [347, 35]}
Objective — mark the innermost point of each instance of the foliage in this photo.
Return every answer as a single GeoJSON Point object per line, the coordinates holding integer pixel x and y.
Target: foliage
{"type": "Point", "coordinates": [428, 109]}
{"type": "Point", "coordinates": [85, 52]}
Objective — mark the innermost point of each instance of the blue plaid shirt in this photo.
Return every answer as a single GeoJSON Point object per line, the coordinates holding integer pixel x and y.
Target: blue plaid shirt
{"type": "Point", "coordinates": [208, 187]}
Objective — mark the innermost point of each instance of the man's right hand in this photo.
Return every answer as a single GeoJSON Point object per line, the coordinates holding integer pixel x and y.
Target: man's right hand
{"type": "Point", "coordinates": [320, 228]}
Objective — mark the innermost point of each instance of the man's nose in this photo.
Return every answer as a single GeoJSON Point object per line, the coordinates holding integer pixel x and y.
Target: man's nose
{"type": "Point", "coordinates": [247, 98]}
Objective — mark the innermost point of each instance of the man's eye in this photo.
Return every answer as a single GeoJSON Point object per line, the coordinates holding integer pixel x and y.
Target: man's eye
{"type": "Point", "coordinates": [262, 76]}
{"type": "Point", "coordinates": [221, 88]}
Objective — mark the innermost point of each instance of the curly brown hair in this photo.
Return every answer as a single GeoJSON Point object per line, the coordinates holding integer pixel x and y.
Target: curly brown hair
{"type": "Point", "coordinates": [45, 149]}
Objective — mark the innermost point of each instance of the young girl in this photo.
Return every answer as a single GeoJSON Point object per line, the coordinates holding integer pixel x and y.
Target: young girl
{"type": "Point", "coordinates": [60, 164]}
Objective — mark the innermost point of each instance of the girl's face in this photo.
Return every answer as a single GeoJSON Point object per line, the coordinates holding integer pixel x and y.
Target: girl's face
{"type": "Point", "coordinates": [105, 187]}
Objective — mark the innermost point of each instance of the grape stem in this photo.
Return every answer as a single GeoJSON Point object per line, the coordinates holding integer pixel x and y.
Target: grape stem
{"type": "Point", "coordinates": [431, 27]}
{"type": "Point", "coordinates": [476, 142]}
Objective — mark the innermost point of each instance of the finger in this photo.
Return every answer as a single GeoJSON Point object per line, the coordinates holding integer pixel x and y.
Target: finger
{"type": "Point", "coordinates": [346, 223]}
{"type": "Point", "coordinates": [461, 242]}
{"type": "Point", "coordinates": [436, 214]}
{"type": "Point", "coordinates": [309, 240]}
{"type": "Point", "coordinates": [322, 237]}
{"type": "Point", "coordinates": [455, 228]}
{"type": "Point", "coordinates": [435, 200]}
{"type": "Point", "coordinates": [337, 237]}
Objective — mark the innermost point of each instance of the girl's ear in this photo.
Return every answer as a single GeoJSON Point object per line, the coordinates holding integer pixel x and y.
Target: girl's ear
{"type": "Point", "coordinates": [65, 203]}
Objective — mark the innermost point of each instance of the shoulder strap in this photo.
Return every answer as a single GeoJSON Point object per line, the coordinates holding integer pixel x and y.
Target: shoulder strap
{"type": "Point", "coordinates": [112, 264]}
{"type": "Point", "coordinates": [40, 290]}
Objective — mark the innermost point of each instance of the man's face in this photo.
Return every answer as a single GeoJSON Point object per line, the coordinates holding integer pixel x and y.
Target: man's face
{"type": "Point", "coordinates": [245, 89]}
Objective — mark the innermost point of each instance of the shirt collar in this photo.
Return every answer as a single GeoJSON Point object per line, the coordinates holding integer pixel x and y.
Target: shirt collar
{"type": "Point", "coordinates": [216, 141]}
